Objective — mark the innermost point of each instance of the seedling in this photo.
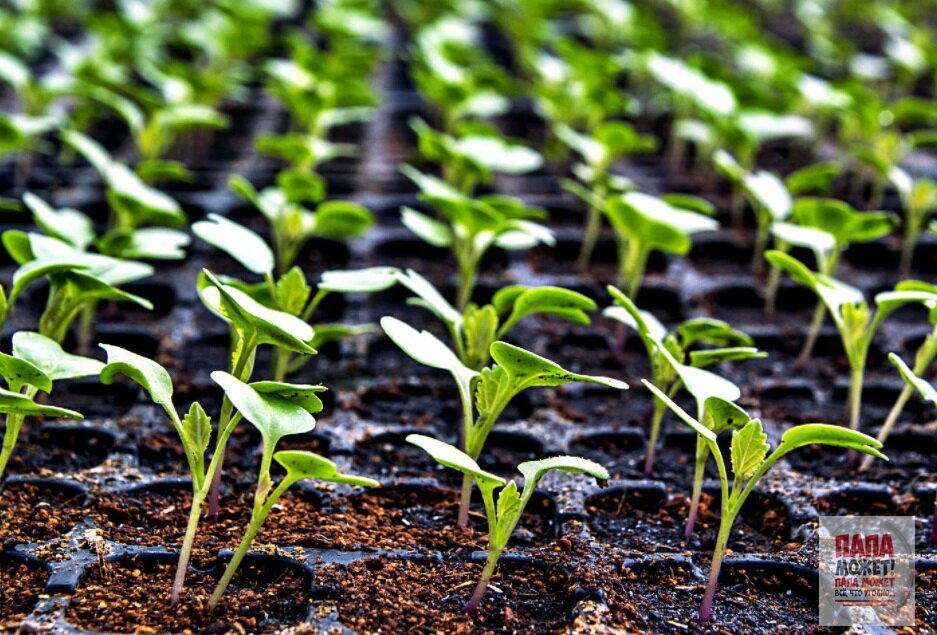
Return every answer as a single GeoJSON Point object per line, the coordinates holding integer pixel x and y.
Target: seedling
{"type": "Point", "coordinates": [514, 371]}
{"type": "Point", "coordinates": [914, 382]}
{"type": "Point", "coordinates": [252, 324]}
{"type": "Point", "coordinates": [645, 223]}
{"type": "Point", "coordinates": [474, 329]}
{"type": "Point", "coordinates": [472, 227]}
{"type": "Point", "coordinates": [289, 293]}
{"type": "Point", "coordinates": [505, 512]}
{"type": "Point", "coordinates": [276, 410]}
{"type": "Point", "coordinates": [855, 320]}
{"type": "Point", "coordinates": [36, 363]}
{"type": "Point", "coordinates": [292, 225]}
{"type": "Point", "coordinates": [839, 221]}
{"type": "Point", "coordinates": [750, 461]}
{"type": "Point", "coordinates": [610, 141]}
{"type": "Point", "coordinates": [919, 200]}
{"type": "Point", "coordinates": [925, 354]}
{"type": "Point", "coordinates": [77, 281]}
{"type": "Point", "coordinates": [729, 345]}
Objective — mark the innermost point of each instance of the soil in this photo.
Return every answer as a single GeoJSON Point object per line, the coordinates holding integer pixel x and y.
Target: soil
{"type": "Point", "coordinates": [130, 596]}
{"type": "Point", "coordinates": [390, 518]}
{"type": "Point", "coordinates": [36, 512]}
{"type": "Point", "coordinates": [21, 583]}
{"type": "Point", "coordinates": [406, 595]}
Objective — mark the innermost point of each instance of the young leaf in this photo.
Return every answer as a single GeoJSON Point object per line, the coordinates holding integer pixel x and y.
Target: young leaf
{"type": "Point", "coordinates": [749, 449]}
{"type": "Point", "coordinates": [720, 415]}
{"type": "Point", "coordinates": [429, 229]}
{"type": "Point", "coordinates": [196, 425]}
{"type": "Point", "coordinates": [698, 427]}
{"type": "Point", "coordinates": [16, 403]}
{"type": "Point", "coordinates": [366, 280]}
{"type": "Point", "coordinates": [426, 348]}
{"type": "Point", "coordinates": [533, 471]}
{"type": "Point", "coordinates": [527, 369]}
{"type": "Point", "coordinates": [303, 395]}
{"type": "Point", "coordinates": [237, 241]}
{"type": "Point", "coordinates": [48, 356]}
{"type": "Point", "coordinates": [452, 457]}
{"type": "Point", "coordinates": [821, 433]}
{"type": "Point", "coordinates": [273, 415]}
{"type": "Point", "coordinates": [152, 377]}
{"type": "Point", "coordinates": [921, 385]}
{"type": "Point", "coordinates": [301, 465]}
{"type": "Point", "coordinates": [65, 224]}
{"type": "Point", "coordinates": [429, 298]}
{"type": "Point", "coordinates": [524, 301]}
{"type": "Point", "coordinates": [20, 372]}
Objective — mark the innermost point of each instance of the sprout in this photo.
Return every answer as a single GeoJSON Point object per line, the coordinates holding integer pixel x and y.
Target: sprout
{"type": "Point", "coordinates": [730, 345]}
{"type": "Point", "coordinates": [514, 371]}
{"type": "Point", "coordinates": [504, 511]}
{"type": "Point", "coordinates": [854, 319]}
{"type": "Point", "coordinates": [645, 223]}
{"type": "Point", "coordinates": [292, 225]}
{"type": "Point", "coordinates": [289, 293]}
{"type": "Point", "coordinates": [919, 199]}
{"type": "Point", "coordinates": [925, 354]}
{"type": "Point", "coordinates": [750, 461]}
{"type": "Point", "coordinates": [472, 227]}
{"type": "Point", "coordinates": [36, 363]}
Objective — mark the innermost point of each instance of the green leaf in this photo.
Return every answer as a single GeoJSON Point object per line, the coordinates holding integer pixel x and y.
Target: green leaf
{"type": "Point", "coordinates": [921, 385]}
{"type": "Point", "coordinates": [720, 415]}
{"type": "Point", "coordinates": [823, 434]}
{"type": "Point", "coordinates": [273, 415]}
{"type": "Point", "coordinates": [303, 395]}
{"type": "Point", "coordinates": [292, 292]}
{"type": "Point", "coordinates": [341, 219]}
{"type": "Point", "coordinates": [479, 330]}
{"type": "Point", "coordinates": [65, 224]}
{"type": "Point", "coordinates": [301, 465]}
{"type": "Point", "coordinates": [508, 510]}
{"type": "Point", "coordinates": [152, 377]}
{"type": "Point", "coordinates": [20, 372]}
{"type": "Point", "coordinates": [816, 178]}
{"type": "Point", "coordinates": [366, 280]}
{"type": "Point", "coordinates": [196, 426]}
{"type": "Point", "coordinates": [749, 449]}
{"type": "Point", "coordinates": [701, 383]}
{"type": "Point", "coordinates": [527, 369]}
{"type": "Point", "coordinates": [426, 348]}
{"type": "Point", "coordinates": [237, 241]}
{"type": "Point", "coordinates": [156, 243]}
{"type": "Point", "coordinates": [708, 357]}
{"type": "Point", "coordinates": [454, 458]}
{"type": "Point", "coordinates": [698, 427]}
{"type": "Point", "coordinates": [432, 231]}
{"type": "Point", "coordinates": [627, 312]}
{"type": "Point", "coordinates": [655, 224]}
{"type": "Point", "coordinates": [498, 155]}
{"type": "Point", "coordinates": [429, 298]}
{"type": "Point", "coordinates": [533, 471]}
{"type": "Point", "coordinates": [48, 356]}
{"type": "Point", "coordinates": [563, 303]}
{"type": "Point", "coordinates": [246, 314]}
{"type": "Point", "coordinates": [711, 331]}
{"type": "Point", "coordinates": [16, 403]}
{"type": "Point", "coordinates": [821, 242]}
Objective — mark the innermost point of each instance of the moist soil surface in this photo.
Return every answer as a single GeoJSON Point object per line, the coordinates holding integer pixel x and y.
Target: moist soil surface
{"type": "Point", "coordinates": [36, 512]}
{"type": "Point", "coordinates": [396, 595]}
{"type": "Point", "coordinates": [389, 518]}
{"type": "Point", "coordinates": [21, 583]}
{"type": "Point", "coordinates": [131, 596]}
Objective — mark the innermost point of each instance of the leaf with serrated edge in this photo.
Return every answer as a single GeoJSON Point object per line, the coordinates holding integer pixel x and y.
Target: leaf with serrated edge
{"type": "Point", "coordinates": [196, 425]}
{"type": "Point", "coordinates": [749, 449]}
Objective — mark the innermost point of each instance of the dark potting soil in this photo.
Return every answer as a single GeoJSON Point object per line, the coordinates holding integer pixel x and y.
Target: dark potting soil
{"type": "Point", "coordinates": [36, 512]}
{"type": "Point", "coordinates": [62, 450]}
{"type": "Point", "coordinates": [395, 595]}
{"type": "Point", "coordinates": [21, 583]}
{"type": "Point", "coordinates": [390, 518]}
{"type": "Point", "coordinates": [131, 596]}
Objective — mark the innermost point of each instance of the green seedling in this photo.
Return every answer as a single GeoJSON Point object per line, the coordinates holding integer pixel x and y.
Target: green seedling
{"type": "Point", "coordinates": [750, 461]}
{"type": "Point", "coordinates": [474, 329]}
{"type": "Point", "coordinates": [514, 370]}
{"type": "Point", "coordinates": [77, 281]}
{"type": "Point", "coordinates": [724, 343]}
{"type": "Point", "coordinates": [36, 363]}
{"type": "Point", "coordinates": [919, 200]}
{"type": "Point", "coordinates": [289, 293]}
{"type": "Point", "coordinates": [923, 357]}
{"type": "Point", "coordinates": [504, 511]}
{"type": "Point", "coordinates": [855, 321]}
{"type": "Point", "coordinates": [610, 141]}
{"type": "Point", "coordinates": [472, 226]}
{"type": "Point", "coordinates": [827, 227]}
{"type": "Point", "coordinates": [915, 382]}
{"type": "Point", "coordinates": [645, 223]}
{"type": "Point", "coordinates": [276, 410]}
{"type": "Point", "coordinates": [292, 225]}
